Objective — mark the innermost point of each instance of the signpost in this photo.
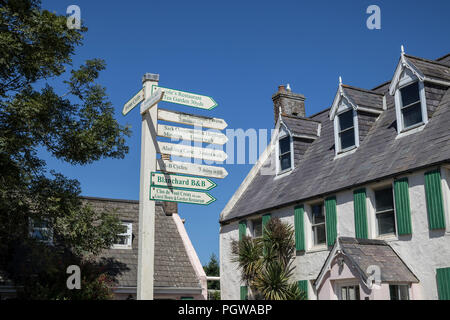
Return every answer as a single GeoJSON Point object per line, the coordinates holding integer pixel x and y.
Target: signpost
{"type": "Point", "coordinates": [191, 134]}
{"type": "Point", "coordinates": [186, 98]}
{"type": "Point", "coordinates": [190, 119]}
{"type": "Point", "coordinates": [178, 195]}
{"type": "Point", "coordinates": [150, 102]}
{"type": "Point", "coordinates": [133, 102]}
{"type": "Point", "coordinates": [180, 150]}
{"type": "Point", "coordinates": [169, 185]}
{"type": "Point", "coordinates": [191, 168]}
{"type": "Point", "coordinates": [179, 181]}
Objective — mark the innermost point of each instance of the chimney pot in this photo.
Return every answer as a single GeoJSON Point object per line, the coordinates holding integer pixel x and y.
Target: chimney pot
{"type": "Point", "coordinates": [290, 103]}
{"type": "Point", "coordinates": [281, 88]}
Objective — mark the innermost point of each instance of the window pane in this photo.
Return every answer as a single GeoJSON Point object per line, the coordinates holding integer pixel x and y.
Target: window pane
{"type": "Point", "coordinates": [319, 234]}
{"type": "Point", "coordinates": [394, 292]}
{"type": "Point", "coordinates": [412, 115]}
{"type": "Point", "coordinates": [285, 145]}
{"type": "Point", "coordinates": [257, 228]}
{"type": "Point", "coordinates": [285, 161]}
{"type": "Point", "coordinates": [351, 293]}
{"type": "Point", "coordinates": [344, 293]}
{"type": "Point", "coordinates": [347, 139]}
{"type": "Point", "coordinates": [404, 292]}
{"type": "Point", "coordinates": [410, 94]}
{"type": "Point", "coordinates": [386, 223]}
{"type": "Point", "coordinates": [317, 214]}
{"type": "Point", "coordinates": [346, 120]}
{"type": "Point", "coordinates": [384, 199]}
{"type": "Point", "coordinates": [357, 297]}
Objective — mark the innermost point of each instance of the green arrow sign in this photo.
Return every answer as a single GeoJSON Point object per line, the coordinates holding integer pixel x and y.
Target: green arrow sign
{"type": "Point", "coordinates": [178, 195]}
{"type": "Point", "coordinates": [187, 98]}
{"type": "Point", "coordinates": [133, 102]}
{"type": "Point", "coordinates": [180, 150]}
{"type": "Point", "coordinates": [179, 133]}
{"type": "Point", "coordinates": [191, 168]}
{"type": "Point", "coordinates": [179, 181]}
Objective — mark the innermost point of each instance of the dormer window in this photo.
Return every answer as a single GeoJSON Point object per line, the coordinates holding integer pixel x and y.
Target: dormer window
{"type": "Point", "coordinates": [411, 106]}
{"type": "Point", "coordinates": [285, 161]}
{"type": "Point", "coordinates": [346, 130]}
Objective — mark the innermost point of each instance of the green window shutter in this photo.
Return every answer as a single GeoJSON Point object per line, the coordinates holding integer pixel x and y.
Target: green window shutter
{"type": "Point", "coordinates": [443, 283]}
{"type": "Point", "coordinates": [435, 205]}
{"type": "Point", "coordinates": [242, 229]}
{"type": "Point", "coordinates": [402, 207]}
{"type": "Point", "coordinates": [360, 211]}
{"type": "Point", "coordinates": [331, 220]}
{"type": "Point", "coordinates": [265, 220]}
{"type": "Point", "coordinates": [244, 293]}
{"type": "Point", "coordinates": [303, 285]}
{"type": "Point", "coordinates": [299, 226]}
{"type": "Point", "coordinates": [187, 298]}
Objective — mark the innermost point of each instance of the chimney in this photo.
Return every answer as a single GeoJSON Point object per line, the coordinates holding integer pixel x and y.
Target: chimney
{"type": "Point", "coordinates": [170, 207]}
{"type": "Point", "coordinates": [291, 104]}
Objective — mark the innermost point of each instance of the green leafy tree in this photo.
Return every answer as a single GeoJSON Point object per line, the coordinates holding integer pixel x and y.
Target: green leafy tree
{"type": "Point", "coordinates": [76, 126]}
{"type": "Point", "coordinates": [266, 263]}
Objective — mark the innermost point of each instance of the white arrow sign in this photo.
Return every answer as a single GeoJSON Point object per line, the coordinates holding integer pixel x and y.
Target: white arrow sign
{"type": "Point", "coordinates": [191, 134]}
{"type": "Point", "coordinates": [180, 150]}
{"type": "Point", "coordinates": [150, 102]}
{"type": "Point", "coordinates": [191, 168]}
{"type": "Point", "coordinates": [133, 102]}
{"type": "Point", "coordinates": [178, 181]}
{"type": "Point", "coordinates": [186, 196]}
{"type": "Point", "coordinates": [190, 119]}
{"type": "Point", "coordinates": [187, 98]}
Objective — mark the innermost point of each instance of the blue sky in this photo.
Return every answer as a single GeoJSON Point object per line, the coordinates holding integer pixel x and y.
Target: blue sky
{"type": "Point", "coordinates": [238, 52]}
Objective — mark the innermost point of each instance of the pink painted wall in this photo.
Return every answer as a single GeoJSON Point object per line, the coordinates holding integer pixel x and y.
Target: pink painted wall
{"type": "Point", "coordinates": [347, 275]}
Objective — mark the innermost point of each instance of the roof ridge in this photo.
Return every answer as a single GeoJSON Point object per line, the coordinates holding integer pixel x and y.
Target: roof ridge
{"type": "Point", "coordinates": [443, 57]}
{"type": "Point", "coordinates": [361, 89]}
{"type": "Point", "coordinates": [427, 60]}
{"type": "Point", "coordinates": [317, 113]}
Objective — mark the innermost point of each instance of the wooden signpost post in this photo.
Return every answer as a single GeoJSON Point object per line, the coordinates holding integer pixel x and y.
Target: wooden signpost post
{"type": "Point", "coordinates": [176, 181]}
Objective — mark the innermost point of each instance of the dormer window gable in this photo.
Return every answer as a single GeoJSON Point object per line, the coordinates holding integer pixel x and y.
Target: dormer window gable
{"type": "Point", "coordinates": [408, 87]}
{"type": "Point", "coordinates": [349, 105]}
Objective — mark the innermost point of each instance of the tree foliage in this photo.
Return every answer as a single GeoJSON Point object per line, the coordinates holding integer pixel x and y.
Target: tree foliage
{"type": "Point", "coordinates": [76, 126]}
{"type": "Point", "coordinates": [266, 263]}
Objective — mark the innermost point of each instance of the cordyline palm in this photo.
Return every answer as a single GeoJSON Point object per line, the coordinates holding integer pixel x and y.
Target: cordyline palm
{"type": "Point", "coordinates": [266, 262]}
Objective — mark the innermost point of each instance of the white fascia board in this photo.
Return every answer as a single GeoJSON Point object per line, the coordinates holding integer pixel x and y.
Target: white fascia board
{"type": "Point", "coordinates": [327, 264]}
{"type": "Point", "coordinates": [402, 64]}
{"type": "Point", "coordinates": [252, 174]}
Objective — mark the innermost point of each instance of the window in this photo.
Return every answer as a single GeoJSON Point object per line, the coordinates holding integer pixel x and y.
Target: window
{"type": "Point", "coordinates": [257, 228]}
{"type": "Point", "coordinates": [285, 153]}
{"type": "Point", "coordinates": [346, 130]}
{"type": "Point", "coordinates": [40, 230]}
{"type": "Point", "coordinates": [399, 292]}
{"type": "Point", "coordinates": [384, 211]}
{"type": "Point", "coordinates": [125, 238]}
{"type": "Point", "coordinates": [411, 106]}
{"type": "Point", "coordinates": [318, 224]}
{"type": "Point", "coordinates": [349, 293]}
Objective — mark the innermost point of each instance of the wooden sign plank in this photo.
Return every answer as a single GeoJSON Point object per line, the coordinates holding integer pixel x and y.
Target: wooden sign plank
{"type": "Point", "coordinates": [179, 133]}
{"type": "Point", "coordinates": [190, 119]}
{"type": "Point", "coordinates": [191, 168]}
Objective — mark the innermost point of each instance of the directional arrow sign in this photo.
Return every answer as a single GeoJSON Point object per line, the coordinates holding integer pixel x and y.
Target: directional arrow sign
{"type": "Point", "coordinates": [179, 181]}
{"type": "Point", "coordinates": [191, 134]}
{"type": "Point", "coordinates": [133, 102]}
{"type": "Point", "coordinates": [180, 150]}
{"type": "Point", "coordinates": [185, 196]}
{"type": "Point", "coordinates": [191, 168]}
{"type": "Point", "coordinates": [190, 119]}
{"type": "Point", "coordinates": [187, 98]}
{"type": "Point", "coordinates": [150, 102]}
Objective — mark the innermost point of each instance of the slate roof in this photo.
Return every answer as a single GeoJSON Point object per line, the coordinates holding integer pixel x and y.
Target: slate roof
{"type": "Point", "coordinates": [434, 69]}
{"type": "Point", "coordinates": [364, 98]}
{"type": "Point", "coordinates": [379, 155]}
{"type": "Point", "coordinates": [172, 265]}
{"type": "Point", "coordinates": [300, 125]}
{"type": "Point", "coordinates": [364, 253]}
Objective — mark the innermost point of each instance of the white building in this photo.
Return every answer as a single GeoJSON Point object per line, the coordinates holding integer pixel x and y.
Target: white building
{"type": "Point", "coordinates": [366, 185]}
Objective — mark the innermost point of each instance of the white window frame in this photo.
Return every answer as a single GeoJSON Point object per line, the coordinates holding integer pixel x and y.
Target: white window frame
{"type": "Point", "coordinates": [398, 292]}
{"type": "Point", "coordinates": [283, 134]}
{"type": "Point", "coordinates": [47, 229]}
{"type": "Point", "coordinates": [311, 246]}
{"type": "Point", "coordinates": [372, 207]}
{"type": "Point", "coordinates": [347, 283]}
{"type": "Point", "coordinates": [406, 81]}
{"type": "Point", "coordinates": [128, 234]}
{"type": "Point", "coordinates": [344, 107]}
{"type": "Point", "coordinates": [445, 184]}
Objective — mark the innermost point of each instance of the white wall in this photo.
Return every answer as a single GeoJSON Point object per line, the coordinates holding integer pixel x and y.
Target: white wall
{"type": "Point", "coordinates": [423, 252]}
